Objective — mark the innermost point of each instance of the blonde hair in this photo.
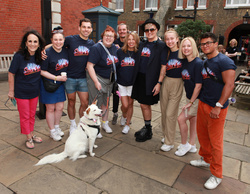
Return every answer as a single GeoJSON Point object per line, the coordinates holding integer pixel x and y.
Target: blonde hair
{"type": "Point", "coordinates": [235, 44]}
{"type": "Point", "coordinates": [137, 40]}
{"type": "Point", "coordinates": [193, 45]}
{"type": "Point", "coordinates": [172, 30]}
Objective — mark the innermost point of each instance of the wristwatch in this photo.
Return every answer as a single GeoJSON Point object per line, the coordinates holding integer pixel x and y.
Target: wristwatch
{"type": "Point", "coordinates": [218, 104]}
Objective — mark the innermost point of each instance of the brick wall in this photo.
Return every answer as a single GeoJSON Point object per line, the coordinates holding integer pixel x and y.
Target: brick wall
{"type": "Point", "coordinates": [16, 18]}
{"type": "Point", "coordinates": [71, 13]}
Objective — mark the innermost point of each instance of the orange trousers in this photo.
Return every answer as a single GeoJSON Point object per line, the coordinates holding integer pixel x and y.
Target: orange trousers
{"type": "Point", "coordinates": [210, 136]}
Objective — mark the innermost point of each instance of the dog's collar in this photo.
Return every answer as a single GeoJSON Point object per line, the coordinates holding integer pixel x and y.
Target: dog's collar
{"type": "Point", "coordinates": [95, 120]}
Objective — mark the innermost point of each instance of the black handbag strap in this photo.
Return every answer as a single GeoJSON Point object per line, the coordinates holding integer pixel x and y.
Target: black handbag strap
{"type": "Point", "coordinates": [212, 76]}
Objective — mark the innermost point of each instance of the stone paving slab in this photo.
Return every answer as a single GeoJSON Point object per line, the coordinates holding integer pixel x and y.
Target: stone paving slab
{"type": "Point", "coordinates": [245, 175]}
{"type": "Point", "coordinates": [49, 179]}
{"type": "Point", "coordinates": [247, 140]}
{"type": "Point", "coordinates": [15, 164]}
{"type": "Point", "coordinates": [145, 163]}
{"type": "Point", "coordinates": [236, 151]}
{"type": "Point", "coordinates": [5, 190]}
{"type": "Point", "coordinates": [192, 179]}
{"type": "Point", "coordinates": [122, 181]}
{"type": "Point", "coordinates": [4, 145]}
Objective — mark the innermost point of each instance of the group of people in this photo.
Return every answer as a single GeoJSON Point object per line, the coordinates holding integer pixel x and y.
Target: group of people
{"type": "Point", "coordinates": [146, 71]}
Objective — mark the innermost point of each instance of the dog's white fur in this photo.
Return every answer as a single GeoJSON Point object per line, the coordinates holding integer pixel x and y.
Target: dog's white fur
{"type": "Point", "coordinates": [81, 140]}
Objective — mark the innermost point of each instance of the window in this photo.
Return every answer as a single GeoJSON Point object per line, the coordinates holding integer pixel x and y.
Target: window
{"type": "Point", "coordinates": [151, 4]}
{"type": "Point", "coordinates": [179, 4]}
{"type": "Point", "coordinates": [119, 5]}
{"type": "Point", "coordinates": [201, 4]}
{"type": "Point", "coordinates": [237, 3]}
{"type": "Point", "coordinates": [136, 5]}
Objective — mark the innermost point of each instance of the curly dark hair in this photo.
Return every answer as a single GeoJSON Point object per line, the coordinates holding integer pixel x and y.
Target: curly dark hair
{"type": "Point", "coordinates": [209, 35]}
{"type": "Point", "coordinates": [24, 51]}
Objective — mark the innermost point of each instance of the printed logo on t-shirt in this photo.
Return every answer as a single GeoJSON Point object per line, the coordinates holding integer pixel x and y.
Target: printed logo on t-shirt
{"type": "Point", "coordinates": [31, 68]}
{"type": "Point", "coordinates": [81, 51]}
{"type": "Point", "coordinates": [185, 75]}
{"type": "Point", "coordinates": [109, 60]}
{"type": "Point", "coordinates": [128, 61]}
{"type": "Point", "coordinates": [62, 63]}
{"type": "Point", "coordinates": [145, 52]}
{"type": "Point", "coordinates": [173, 64]}
{"type": "Point", "coordinates": [204, 73]}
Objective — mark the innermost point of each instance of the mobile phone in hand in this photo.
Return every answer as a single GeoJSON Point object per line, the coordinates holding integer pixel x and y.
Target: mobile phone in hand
{"type": "Point", "coordinates": [13, 101]}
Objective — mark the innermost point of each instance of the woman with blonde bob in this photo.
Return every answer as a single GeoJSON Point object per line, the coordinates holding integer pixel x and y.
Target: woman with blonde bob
{"type": "Point", "coordinates": [232, 50]}
{"type": "Point", "coordinates": [127, 56]}
{"type": "Point", "coordinates": [191, 75]}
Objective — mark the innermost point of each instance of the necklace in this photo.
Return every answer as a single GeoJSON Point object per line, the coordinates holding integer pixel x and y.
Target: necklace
{"type": "Point", "coordinates": [130, 55]}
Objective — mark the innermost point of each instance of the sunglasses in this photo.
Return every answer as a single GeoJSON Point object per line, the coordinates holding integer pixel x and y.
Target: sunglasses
{"type": "Point", "coordinates": [151, 30]}
{"type": "Point", "coordinates": [57, 31]}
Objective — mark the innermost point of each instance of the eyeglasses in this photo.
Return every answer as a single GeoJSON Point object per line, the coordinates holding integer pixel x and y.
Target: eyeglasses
{"type": "Point", "coordinates": [151, 30]}
{"type": "Point", "coordinates": [206, 43]}
{"type": "Point", "coordinates": [109, 36]}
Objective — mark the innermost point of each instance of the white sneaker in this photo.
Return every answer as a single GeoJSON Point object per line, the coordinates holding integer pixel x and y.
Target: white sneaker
{"type": "Point", "coordinates": [212, 182]}
{"type": "Point", "coordinates": [192, 150]}
{"type": "Point", "coordinates": [163, 140]}
{"type": "Point", "coordinates": [123, 120]}
{"type": "Point", "coordinates": [72, 128]}
{"type": "Point", "coordinates": [183, 149]}
{"type": "Point", "coordinates": [199, 162]}
{"type": "Point", "coordinates": [99, 135]}
{"type": "Point", "coordinates": [60, 132]}
{"type": "Point", "coordinates": [55, 136]}
{"type": "Point", "coordinates": [106, 128]}
{"type": "Point", "coordinates": [125, 129]}
{"type": "Point", "coordinates": [166, 148]}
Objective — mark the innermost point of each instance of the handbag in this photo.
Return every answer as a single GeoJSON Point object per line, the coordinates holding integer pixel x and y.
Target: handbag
{"type": "Point", "coordinates": [50, 86]}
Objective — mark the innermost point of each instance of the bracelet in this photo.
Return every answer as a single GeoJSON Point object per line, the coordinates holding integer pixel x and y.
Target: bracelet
{"type": "Point", "coordinates": [55, 79]}
{"type": "Point", "coordinates": [191, 102]}
{"type": "Point", "coordinates": [159, 83]}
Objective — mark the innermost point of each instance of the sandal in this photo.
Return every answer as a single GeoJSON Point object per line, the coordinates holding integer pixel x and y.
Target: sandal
{"type": "Point", "coordinates": [29, 144]}
{"type": "Point", "coordinates": [37, 139]}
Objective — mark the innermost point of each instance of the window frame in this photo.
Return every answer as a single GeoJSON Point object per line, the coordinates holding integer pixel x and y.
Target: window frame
{"type": "Point", "coordinates": [149, 8]}
{"type": "Point", "coordinates": [136, 9]}
{"type": "Point", "coordinates": [119, 9]}
{"type": "Point", "coordinates": [232, 5]}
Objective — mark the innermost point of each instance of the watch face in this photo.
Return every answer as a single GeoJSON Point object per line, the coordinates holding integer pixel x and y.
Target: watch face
{"type": "Point", "coordinates": [218, 104]}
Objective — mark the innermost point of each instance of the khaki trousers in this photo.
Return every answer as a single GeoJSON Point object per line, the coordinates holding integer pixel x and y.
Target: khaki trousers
{"type": "Point", "coordinates": [170, 96]}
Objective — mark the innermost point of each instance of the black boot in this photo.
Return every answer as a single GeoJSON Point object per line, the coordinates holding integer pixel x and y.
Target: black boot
{"type": "Point", "coordinates": [144, 134]}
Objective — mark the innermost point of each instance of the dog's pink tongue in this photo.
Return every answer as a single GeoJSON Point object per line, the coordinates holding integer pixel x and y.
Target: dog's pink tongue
{"type": "Point", "coordinates": [94, 120]}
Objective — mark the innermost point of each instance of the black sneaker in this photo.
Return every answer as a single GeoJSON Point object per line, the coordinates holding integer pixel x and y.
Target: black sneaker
{"type": "Point", "coordinates": [114, 120]}
{"type": "Point", "coordinates": [144, 134]}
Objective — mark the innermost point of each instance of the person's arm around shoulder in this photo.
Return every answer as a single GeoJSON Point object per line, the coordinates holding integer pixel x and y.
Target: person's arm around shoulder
{"type": "Point", "coordinates": [228, 78]}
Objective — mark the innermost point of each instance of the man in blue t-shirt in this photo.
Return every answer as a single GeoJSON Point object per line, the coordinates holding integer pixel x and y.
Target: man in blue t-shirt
{"type": "Point", "coordinates": [122, 30]}
{"type": "Point", "coordinates": [218, 83]}
{"type": "Point", "coordinates": [78, 49]}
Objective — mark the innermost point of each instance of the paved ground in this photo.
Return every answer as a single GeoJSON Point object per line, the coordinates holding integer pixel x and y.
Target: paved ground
{"type": "Point", "coordinates": [121, 165]}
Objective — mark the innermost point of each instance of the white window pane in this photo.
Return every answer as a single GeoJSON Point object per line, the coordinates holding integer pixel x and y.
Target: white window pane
{"type": "Point", "coordinates": [229, 2]}
{"type": "Point", "coordinates": [179, 3]}
{"type": "Point", "coordinates": [151, 3]}
{"type": "Point", "coordinates": [202, 2]}
{"type": "Point", "coordinates": [190, 3]}
{"type": "Point", "coordinates": [119, 4]}
{"type": "Point", "coordinates": [136, 4]}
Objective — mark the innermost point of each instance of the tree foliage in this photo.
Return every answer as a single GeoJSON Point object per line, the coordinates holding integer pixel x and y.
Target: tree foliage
{"type": "Point", "coordinates": [193, 29]}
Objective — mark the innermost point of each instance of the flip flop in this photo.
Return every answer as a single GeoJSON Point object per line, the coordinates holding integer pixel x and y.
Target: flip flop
{"type": "Point", "coordinates": [29, 144]}
{"type": "Point", "coordinates": [37, 139]}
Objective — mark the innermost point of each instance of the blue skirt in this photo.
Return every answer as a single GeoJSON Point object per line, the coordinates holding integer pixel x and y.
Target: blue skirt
{"type": "Point", "coordinates": [52, 98]}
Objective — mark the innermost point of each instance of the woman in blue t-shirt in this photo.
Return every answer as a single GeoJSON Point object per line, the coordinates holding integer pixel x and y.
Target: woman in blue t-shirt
{"type": "Point", "coordinates": [24, 79]}
{"type": "Point", "coordinates": [54, 69]}
{"type": "Point", "coordinates": [100, 67]}
{"type": "Point", "coordinates": [192, 77]}
{"type": "Point", "coordinates": [171, 90]}
{"type": "Point", "coordinates": [127, 59]}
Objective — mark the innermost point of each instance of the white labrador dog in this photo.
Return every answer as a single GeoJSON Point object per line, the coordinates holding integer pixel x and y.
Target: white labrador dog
{"type": "Point", "coordinates": [81, 140]}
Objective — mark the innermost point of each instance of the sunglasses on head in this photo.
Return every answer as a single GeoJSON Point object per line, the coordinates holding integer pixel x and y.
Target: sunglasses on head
{"type": "Point", "coordinates": [151, 30]}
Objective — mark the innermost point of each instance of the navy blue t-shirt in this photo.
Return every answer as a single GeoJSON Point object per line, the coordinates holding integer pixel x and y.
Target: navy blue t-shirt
{"type": "Point", "coordinates": [145, 55]}
{"type": "Point", "coordinates": [78, 50]}
{"type": "Point", "coordinates": [191, 75]}
{"type": "Point", "coordinates": [119, 42]}
{"type": "Point", "coordinates": [173, 64]}
{"type": "Point", "coordinates": [211, 90]}
{"type": "Point", "coordinates": [56, 62]}
{"type": "Point", "coordinates": [102, 61]}
{"type": "Point", "coordinates": [125, 68]}
{"type": "Point", "coordinates": [27, 76]}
